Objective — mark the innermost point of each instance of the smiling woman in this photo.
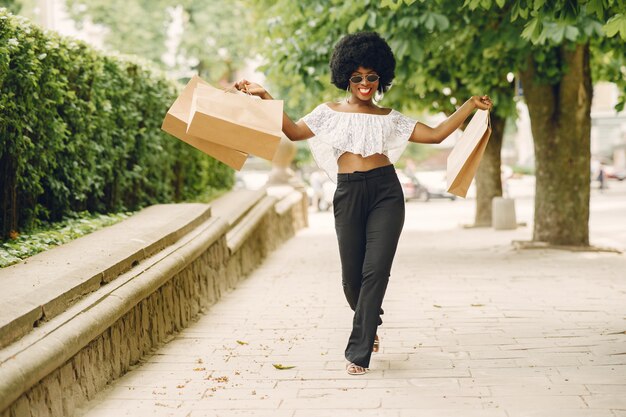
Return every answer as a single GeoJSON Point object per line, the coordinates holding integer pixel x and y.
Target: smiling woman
{"type": "Point", "coordinates": [355, 57]}
{"type": "Point", "coordinates": [356, 142]}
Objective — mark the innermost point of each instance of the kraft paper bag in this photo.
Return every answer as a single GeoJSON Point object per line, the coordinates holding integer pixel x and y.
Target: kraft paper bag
{"type": "Point", "coordinates": [464, 159]}
{"type": "Point", "coordinates": [175, 123]}
{"type": "Point", "coordinates": [236, 120]}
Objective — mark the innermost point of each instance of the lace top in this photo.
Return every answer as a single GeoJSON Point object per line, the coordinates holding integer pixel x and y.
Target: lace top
{"type": "Point", "coordinates": [359, 133]}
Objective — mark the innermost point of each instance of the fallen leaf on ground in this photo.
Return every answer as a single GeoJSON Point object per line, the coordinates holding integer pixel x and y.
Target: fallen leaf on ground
{"type": "Point", "coordinates": [436, 305]}
{"type": "Point", "coordinates": [242, 342]}
{"type": "Point", "coordinates": [280, 366]}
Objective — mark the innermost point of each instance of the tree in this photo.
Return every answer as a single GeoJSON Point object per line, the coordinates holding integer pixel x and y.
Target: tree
{"type": "Point", "coordinates": [548, 44]}
{"type": "Point", "coordinates": [557, 81]}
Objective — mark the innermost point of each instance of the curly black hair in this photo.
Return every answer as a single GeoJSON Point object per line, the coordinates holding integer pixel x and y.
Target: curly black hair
{"type": "Point", "coordinates": [363, 49]}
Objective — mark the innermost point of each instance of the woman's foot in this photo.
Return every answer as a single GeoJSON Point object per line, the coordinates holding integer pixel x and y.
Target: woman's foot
{"type": "Point", "coordinates": [354, 369]}
{"type": "Point", "coordinates": [376, 346]}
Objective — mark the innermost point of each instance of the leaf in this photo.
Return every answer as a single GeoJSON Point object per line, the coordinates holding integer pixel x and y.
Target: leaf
{"type": "Point", "coordinates": [429, 21]}
{"type": "Point", "coordinates": [595, 6]}
{"type": "Point", "coordinates": [532, 29]}
{"type": "Point", "coordinates": [372, 19]}
{"type": "Point", "coordinates": [281, 367]}
{"type": "Point", "coordinates": [616, 24]}
{"type": "Point", "coordinates": [554, 32]}
{"type": "Point", "coordinates": [477, 305]}
{"type": "Point", "coordinates": [442, 21]}
{"type": "Point", "coordinates": [358, 23]}
{"type": "Point", "coordinates": [242, 342]}
{"type": "Point", "coordinates": [571, 33]}
{"type": "Point", "coordinates": [436, 305]}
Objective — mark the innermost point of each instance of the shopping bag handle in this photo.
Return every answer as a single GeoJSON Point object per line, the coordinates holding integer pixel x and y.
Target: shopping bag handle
{"type": "Point", "coordinates": [245, 89]}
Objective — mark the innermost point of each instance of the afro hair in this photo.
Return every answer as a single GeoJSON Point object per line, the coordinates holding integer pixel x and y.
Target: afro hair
{"type": "Point", "coordinates": [364, 49]}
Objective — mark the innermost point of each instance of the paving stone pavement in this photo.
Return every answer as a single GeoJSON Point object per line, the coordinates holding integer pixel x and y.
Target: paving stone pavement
{"type": "Point", "coordinates": [472, 327]}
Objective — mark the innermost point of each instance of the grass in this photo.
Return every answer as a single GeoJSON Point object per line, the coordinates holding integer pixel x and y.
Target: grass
{"type": "Point", "coordinates": [54, 234]}
{"type": "Point", "coordinates": [49, 235]}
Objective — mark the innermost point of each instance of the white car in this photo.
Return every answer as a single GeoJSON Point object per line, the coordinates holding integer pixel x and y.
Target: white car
{"type": "Point", "coordinates": [436, 184]}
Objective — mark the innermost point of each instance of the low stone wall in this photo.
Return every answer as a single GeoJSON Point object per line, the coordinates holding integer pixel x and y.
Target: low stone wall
{"type": "Point", "coordinates": [102, 339]}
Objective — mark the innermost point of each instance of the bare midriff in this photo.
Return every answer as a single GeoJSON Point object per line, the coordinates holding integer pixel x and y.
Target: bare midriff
{"type": "Point", "coordinates": [350, 162]}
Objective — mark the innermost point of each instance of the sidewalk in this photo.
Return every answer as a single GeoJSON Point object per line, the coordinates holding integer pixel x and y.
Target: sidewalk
{"type": "Point", "coordinates": [472, 328]}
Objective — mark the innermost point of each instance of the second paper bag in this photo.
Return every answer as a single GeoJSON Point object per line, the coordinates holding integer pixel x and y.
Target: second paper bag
{"type": "Point", "coordinates": [236, 120]}
{"type": "Point", "coordinates": [464, 159]}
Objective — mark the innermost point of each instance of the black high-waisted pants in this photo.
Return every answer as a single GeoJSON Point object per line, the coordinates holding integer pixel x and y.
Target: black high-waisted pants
{"type": "Point", "coordinates": [369, 215]}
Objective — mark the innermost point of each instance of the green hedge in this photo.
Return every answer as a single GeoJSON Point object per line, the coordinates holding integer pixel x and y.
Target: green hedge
{"type": "Point", "coordinates": [80, 130]}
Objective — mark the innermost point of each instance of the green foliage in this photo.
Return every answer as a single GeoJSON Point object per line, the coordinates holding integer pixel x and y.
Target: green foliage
{"type": "Point", "coordinates": [81, 131]}
{"type": "Point", "coordinates": [609, 63]}
{"type": "Point", "coordinates": [616, 24]}
{"type": "Point", "coordinates": [14, 6]}
{"type": "Point", "coordinates": [559, 20]}
{"type": "Point", "coordinates": [51, 235]}
{"type": "Point", "coordinates": [550, 24]}
{"type": "Point", "coordinates": [213, 40]}
{"type": "Point", "coordinates": [438, 46]}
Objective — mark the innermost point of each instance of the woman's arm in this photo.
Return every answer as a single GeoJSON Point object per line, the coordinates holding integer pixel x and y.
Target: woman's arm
{"type": "Point", "coordinates": [294, 131]}
{"type": "Point", "coordinates": [427, 134]}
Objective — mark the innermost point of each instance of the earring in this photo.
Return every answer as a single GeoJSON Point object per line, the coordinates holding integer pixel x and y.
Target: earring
{"type": "Point", "coordinates": [348, 94]}
{"type": "Point", "coordinates": [378, 96]}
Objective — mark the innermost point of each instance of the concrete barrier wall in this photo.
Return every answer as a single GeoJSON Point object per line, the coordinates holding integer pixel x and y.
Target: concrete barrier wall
{"type": "Point", "coordinates": [102, 337]}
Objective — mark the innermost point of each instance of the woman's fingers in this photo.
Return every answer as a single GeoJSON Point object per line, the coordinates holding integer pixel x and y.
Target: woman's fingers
{"type": "Point", "coordinates": [485, 102]}
{"type": "Point", "coordinates": [241, 84]}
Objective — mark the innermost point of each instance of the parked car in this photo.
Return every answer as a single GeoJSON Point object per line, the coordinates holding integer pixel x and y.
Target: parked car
{"type": "Point", "coordinates": [614, 173]}
{"type": "Point", "coordinates": [412, 188]}
{"type": "Point", "coordinates": [435, 183]}
{"type": "Point", "coordinates": [321, 191]}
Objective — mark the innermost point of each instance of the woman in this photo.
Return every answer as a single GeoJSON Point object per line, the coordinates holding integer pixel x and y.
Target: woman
{"type": "Point", "coordinates": [355, 142]}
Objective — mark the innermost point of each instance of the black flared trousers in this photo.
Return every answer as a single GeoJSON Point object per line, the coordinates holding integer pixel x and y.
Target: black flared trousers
{"type": "Point", "coordinates": [369, 215]}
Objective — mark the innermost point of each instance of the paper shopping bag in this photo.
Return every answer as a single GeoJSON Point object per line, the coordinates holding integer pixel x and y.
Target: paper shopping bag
{"type": "Point", "coordinates": [236, 120]}
{"type": "Point", "coordinates": [464, 159]}
{"type": "Point", "coordinates": [175, 123]}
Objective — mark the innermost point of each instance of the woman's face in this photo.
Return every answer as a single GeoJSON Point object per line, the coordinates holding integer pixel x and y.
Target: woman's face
{"type": "Point", "coordinates": [365, 89]}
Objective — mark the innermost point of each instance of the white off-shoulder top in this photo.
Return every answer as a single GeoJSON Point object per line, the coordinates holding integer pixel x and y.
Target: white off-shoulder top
{"type": "Point", "coordinates": [359, 133]}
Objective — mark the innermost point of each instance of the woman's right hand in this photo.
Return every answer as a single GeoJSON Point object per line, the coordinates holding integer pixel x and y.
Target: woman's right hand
{"type": "Point", "coordinates": [252, 88]}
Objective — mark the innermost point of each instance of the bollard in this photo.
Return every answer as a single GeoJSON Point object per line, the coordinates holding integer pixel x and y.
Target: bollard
{"type": "Point", "coordinates": [503, 213]}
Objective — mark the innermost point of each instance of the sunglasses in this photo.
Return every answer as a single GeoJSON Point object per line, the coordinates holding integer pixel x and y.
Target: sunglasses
{"type": "Point", "coordinates": [372, 78]}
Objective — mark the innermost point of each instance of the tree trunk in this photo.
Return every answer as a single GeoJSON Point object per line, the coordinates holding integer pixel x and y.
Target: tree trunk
{"type": "Point", "coordinates": [8, 195]}
{"type": "Point", "coordinates": [560, 117]}
{"type": "Point", "coordinates": [488, 179]}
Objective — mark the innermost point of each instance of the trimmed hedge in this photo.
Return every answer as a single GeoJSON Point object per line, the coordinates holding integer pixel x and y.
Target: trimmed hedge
{"type": "Point", "coordinates": [80, 130]}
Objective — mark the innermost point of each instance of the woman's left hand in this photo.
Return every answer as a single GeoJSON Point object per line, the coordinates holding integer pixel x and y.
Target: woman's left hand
{"type": "Point", "coordinates": [482, 102]}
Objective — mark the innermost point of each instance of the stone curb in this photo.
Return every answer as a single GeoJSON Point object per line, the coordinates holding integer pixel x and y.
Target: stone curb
{"type": "Point", "coordinates": [36, 356]}
{"type": "Point", "coordinates": [243, 229]}
{"type": "Point", "coordinates": [63, 287]}
{"type": "Point", "coordinates": [32, 364]}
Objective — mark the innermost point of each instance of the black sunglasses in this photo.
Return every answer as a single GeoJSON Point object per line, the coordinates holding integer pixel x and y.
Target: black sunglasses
{"type": "Point", "coordinates": [372, 78]}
